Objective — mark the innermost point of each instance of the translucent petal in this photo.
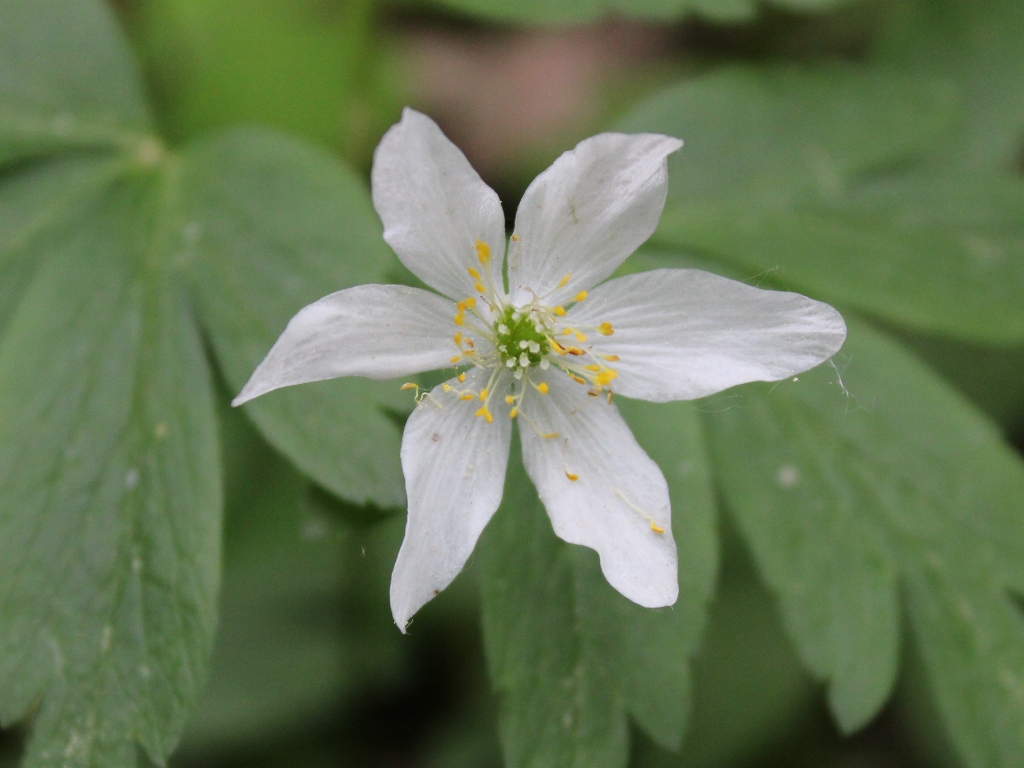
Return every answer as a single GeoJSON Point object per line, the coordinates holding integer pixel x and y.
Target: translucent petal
{"type": "Point", "coordinates": [618, 502]}
{"type": "Point", "coordinates": [684, 333]}
{"type": "Point", "coordinates": [379, 331]}
{"type": "Point", "coordinates": [586, 213]}
{"type": "Point", "coordinates": [454, 464]}
{"type": "Point", "coordinates": [435, 207]}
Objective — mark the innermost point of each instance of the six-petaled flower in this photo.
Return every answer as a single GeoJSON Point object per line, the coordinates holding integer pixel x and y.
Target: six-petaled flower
{"type": "Point", "coordinates": [537, 338]}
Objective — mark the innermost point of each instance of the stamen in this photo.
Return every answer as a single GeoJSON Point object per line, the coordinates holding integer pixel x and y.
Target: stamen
{"type": "Point", "coordinates": [593, 367]}
{"type": "Point", "coordinates": [459, 318]}
{"type": "Point", "coordinates": [483, 251]}
{"type": "Point", "coordinates": [483, 394]}
{"type": "Point", "coordinates": [408, 385]}
{"type": "Point", "coordinates": [458, 337]}
{"type": "Point", "coordinates": [581, 337]}
{"type": "Point", "coordinates": [577, 379]}
{"type": "Point", "coordinates": [606, 377]}
{"type": "Point", "coordinates": [605, 329]}
{"type": "Point", "coordinates": [462, 377]}
{"type": "Point", "coordinates": [479, 287]}
{"type": "Point", "coordinates": [543, 387]}
{"type": "Point", "coordinates": [470, 302]}
{"type": "Point", "coordinates": [467, 396]}
{"type": "Point", "coordinates": [654, 526]}
{"type": "Point", "coordinates": [446, 387]}
{"type": "Point", "coordinates": [611, 358]}
{"type": "Point", "coordinates": [571, 476]}
{"type": "Point", "coordinates": [509, 399]}
{"type": "Point", "coordinates": [473, 273]}
{"type": "Point", "coordinates": [513, 413]}
{"type": "Point", "coordinates": [575, 351]}
{"type": "Point", "coordinates": [456, 359]}
{"type": "Point", "coordinates": [563, 281]}
{"type": "Point", "coordinates": [485, 413]}
{"type": "Point", "coordinates": [515, 238]}
{"type": "Point", "coordinates": [560, 311]}
{"type": "Point", "coordinates": [580, 296]}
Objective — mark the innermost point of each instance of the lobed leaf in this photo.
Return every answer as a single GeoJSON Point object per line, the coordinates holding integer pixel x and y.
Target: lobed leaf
{"type": "Point", "coordinates": [572, 656]}
{"type": "Point", "coordinates": [67, 80]}
{"type": "Point", "coordinates": [109, 493]}
{"type": "Point", "coordinates": [851, 481]}
{"type": "Point", "coordinates": [808, 178]}
{"type": "Point", "coordinates": [269, 225]}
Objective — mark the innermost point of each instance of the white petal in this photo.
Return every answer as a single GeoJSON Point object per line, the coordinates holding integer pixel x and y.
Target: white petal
{"type": "Point", "coordinates": [379, 331]}
{"type": "Point", "coordinates": [619, 498]}
{"type": "Point", "coordinates": [685, 333]}
{"type": "Point", "coordinates": [435, 206]}
{"type": "Point", "coordinates": [586, 213]}
{"type": "Point", "coordinates": [454, 464]}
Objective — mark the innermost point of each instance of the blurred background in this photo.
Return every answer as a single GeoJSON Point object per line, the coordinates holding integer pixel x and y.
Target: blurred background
{"type": "Point", "coordinates": [309, 670]}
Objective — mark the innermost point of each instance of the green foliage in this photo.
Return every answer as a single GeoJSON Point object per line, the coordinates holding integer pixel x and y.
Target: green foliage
{"type": "Point", "coordinates": [808, 177]}
{"type": "Point", "coordinates": [572, 656]}
{"type": "Point", "coordinates": [67, 79]}
{"type": "Point", "coordinates": [110, 496]}
{"type": "Point", "coordinates": [879, 506]}
{"type": "Point", "coordinates": [852, 480]}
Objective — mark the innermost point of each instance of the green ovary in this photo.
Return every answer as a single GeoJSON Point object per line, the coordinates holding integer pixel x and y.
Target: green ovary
{"type": "Point", "coordinates": [519, 336]}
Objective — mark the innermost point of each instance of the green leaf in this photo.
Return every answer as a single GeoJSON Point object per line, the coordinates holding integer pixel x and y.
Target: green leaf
{"type": "Point", "coordinates": [977, 46]}
{"type": "Point", "coordinates": [269, 225]}
{"type": "Point", "coordinates": [292, 639]}
{"type": "Point", "coordinates": [577, 11]}
{"type": "Point", "coordinates": [109, 493]}
{"type": "Point", "coordinates": [67, 79]}
{"type": "Point", "coordinates": [36, 201]}
{"type": "Point", "coordinates": [572, 656]}
{"type": "Point", "coordinates": [853, 480]}
{"type": "Point", "coordinates": [796, 176]}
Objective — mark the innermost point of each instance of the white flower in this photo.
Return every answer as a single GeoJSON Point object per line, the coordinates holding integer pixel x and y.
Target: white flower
{"type": "Point", "coordinates": [547, 352]}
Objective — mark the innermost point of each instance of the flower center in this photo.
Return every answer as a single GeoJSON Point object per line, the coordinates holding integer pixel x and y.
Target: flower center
{"type": "Point", "coordinates": [520, 339]}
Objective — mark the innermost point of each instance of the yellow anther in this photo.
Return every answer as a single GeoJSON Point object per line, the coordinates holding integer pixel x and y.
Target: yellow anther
{"type": "Point", "coordinates": [581, 337]}
{"type": "Point", "coordinates": [458, 337]}
{"type": "Point", "coordinates": [470, 302]}
{"type": "Point", "coordinates": [606, 377]}
{"type": "Point", "coordinates": [606, 329]}
{"type": "Point", "coordinates": [461, 306]}
{"type": "Point", "coordinates": [611, 358]}
{"type": "Point", "coordinates": [467, 396]}
{"type": "Point", "coordinates": [576, 351]}
{"type": "Point", "coordinates": [560, 311]}
{"type": "Point", "coordinates": [580, 296]}
{"type": "Point", "coordinates": [572, 477]}
{"type": "Point", "coordinates": [593, 392]}
{"type": "Point", "coordinates": [459, 318]}
{"type": "Point", "coordinates": [515, 238]}
{"type": "Point", "coordinates": [548, 435]}
{"type": "Point", "coordinates": [473, 273]}
{"type": "Point", "coordinates": [558, 347]}
{"type": "Point", "coordinates": [577, 379]}
{"type": "Point", "coordinates": [656, 528]}
{"type": "Point", "coordinates": [456, 359]}
{"type": "Point", "coordinates": [479, 287]}
{"type": "Point", "coordinates": [469, 343]}
{"type": "Point", "coordinates": [593, 367]}
{"type": "Point", "coordinates": [509, 399]}
{"type": "Point", "coordinates": [468, 352]}
{"type": "Point", "coordinates": [409, 385]}
{"type": "Point", "coordinates": [563, 281]}
{"type": "Point", "coordinates": [483, 394]}
{"type": "Point", "coordinates": [483, 251]}
{"type": "Point", "coordinates": [462, 377]}
{"type": "Point", "coordinates": [513, 413]}
{"type": "Point", "coordinates": [543, 387]}
{"type": "Point", "coordinates": [567, 332]}
{"type": "Point", "coordinates": [485, 413]}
